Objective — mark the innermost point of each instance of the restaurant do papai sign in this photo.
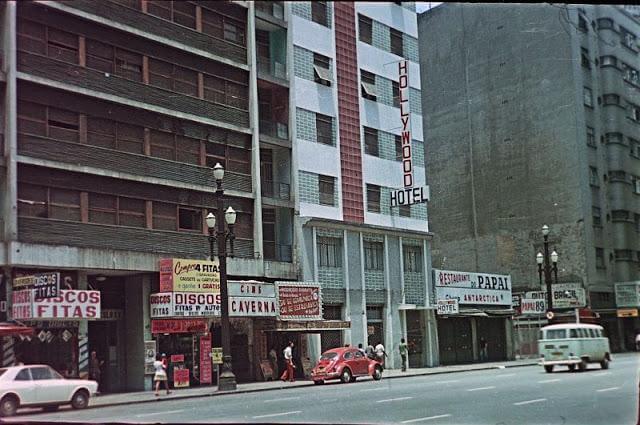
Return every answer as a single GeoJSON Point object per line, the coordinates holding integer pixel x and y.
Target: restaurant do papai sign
{"type": "Point", "coordinates": [473, 288]}
{"type": "Point", "coordinates": [299, 301]}
{"type": "Point", "coordinates": [179, 275]}
{"type": "Point", "coordinates": [67, 305]}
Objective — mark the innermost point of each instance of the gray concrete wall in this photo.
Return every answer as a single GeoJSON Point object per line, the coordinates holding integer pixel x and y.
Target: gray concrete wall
{"type": "Point", "coordinates": [356, 295]}
{"type": "Point", "coordinates": [138, 330]}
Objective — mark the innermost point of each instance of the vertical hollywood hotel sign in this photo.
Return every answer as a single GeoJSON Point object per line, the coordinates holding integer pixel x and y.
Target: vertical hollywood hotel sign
{"type": "Point", "coordinates": [409, 195]}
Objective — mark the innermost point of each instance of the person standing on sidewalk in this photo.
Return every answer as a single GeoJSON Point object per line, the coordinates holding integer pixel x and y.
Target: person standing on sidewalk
{"type": "Point", "coordinates": [380, 353]}
{"type": "Point", "coordinates": [273, 359]}
{"type": "Point", "coordinates": [160, 374]}
{"type": "Point", "coordinates": [404, 351]}
{"type": "Point", "coordinates": [484, 355]}
{"type": "Point", "coordinates": [288, 358]}
{"type": "Point", "coordinates": [94, 368]}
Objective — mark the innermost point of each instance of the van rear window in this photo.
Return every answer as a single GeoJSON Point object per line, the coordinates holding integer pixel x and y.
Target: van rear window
{"type": "Point", "coordinates": [556, 334]}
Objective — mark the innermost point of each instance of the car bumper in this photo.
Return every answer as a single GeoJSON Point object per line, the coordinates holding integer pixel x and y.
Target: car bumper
{"type": "Point", "coordinates": [321, 376]}
{"type": "Point", "coordinates": [570, 360]}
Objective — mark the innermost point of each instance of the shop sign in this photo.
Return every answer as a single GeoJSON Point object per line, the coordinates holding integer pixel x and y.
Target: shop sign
{"type": "Point", "coordinates": [316, 325]}
{"type": "Point", "coordinates": [216, 355]}
{"type": "Point", "coordinates": [205, 361]}
{"type": "Point", "coordinates": [252, 307]}
{"type": "Point", "coordinates": [473, 288]}
{"type": "Point", "coordinates": [627, 312]}
{"type": "Point", "coordinates": [179, 275]}
{"type": "Point", "coordinates": [251, 288]}
{"type": "Point", "coordinates": [448, 306]}
{"type": "Point", "coordinates": [628, 294]}
{"type": "Point", "coordinates": [68, 304]}
{"type": "Point", "coordinates": [176, 326]}
{"type": "Point", "coordinates": [46, 285]}
{"type": "Point", "coordinates": [532, 306]}
{"type": "Point", "coordinates": [177, 358]}
{"type": "Point", "coordinates": [149, 357]}
{"type": "Point", "coordinates": [515, 302]}
{"type": "Point", "coordinates": [52, 324]}
{"type": "Point", "coordinates": [180, 378]}
{"type": "Point", "coordinates": [299, 301]}
{"type": "Point", "coordinates": [565, 295]}
{"type": "Point", "coordinates": [184, 304]}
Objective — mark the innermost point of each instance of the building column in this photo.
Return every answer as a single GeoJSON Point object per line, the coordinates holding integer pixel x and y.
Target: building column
{"type": "Point", "coordinates": [354, 283]}
{"type": "Point", "coordinates": [508, 331]}
{"type": "Point", "coordinates": [137, 290]}
{"type": "Point", "coordinates": [433, 354]}
{"type": "Point", "coordinates": [8, 351]}
{"type": "Point", "coordinates": [474, 338]}
{"type": "Point", "coordinates": [83, 334]}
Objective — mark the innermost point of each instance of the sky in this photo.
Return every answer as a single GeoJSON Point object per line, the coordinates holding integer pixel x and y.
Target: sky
{"type": "Point", "coordinates": [421, 6]}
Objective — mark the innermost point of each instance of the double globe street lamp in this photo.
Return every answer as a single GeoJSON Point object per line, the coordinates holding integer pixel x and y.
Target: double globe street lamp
{"type": "Point", "coordinates": [227, 380]}
{"type": "Point", "coordinates": [547, 265]}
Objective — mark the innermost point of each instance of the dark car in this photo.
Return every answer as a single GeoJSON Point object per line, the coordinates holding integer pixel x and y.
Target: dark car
{"type": "Point", "coordinates": [345, 364]}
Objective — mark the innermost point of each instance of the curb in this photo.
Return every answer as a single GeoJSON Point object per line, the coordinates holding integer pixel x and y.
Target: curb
{"type": "Point", "coordinates": [309, 384]}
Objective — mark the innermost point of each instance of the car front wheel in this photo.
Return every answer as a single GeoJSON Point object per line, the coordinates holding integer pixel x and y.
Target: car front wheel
{"type": "Point", "coordinates": [346, 376]}
{"type": "Point", "coordinates": [377, 374]}
{"type": "Point", "coordinates": [8, 406]}
{"type": "Point", "coordinates": [80, 399]}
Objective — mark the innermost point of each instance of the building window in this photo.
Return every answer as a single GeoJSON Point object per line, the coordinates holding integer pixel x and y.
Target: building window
{"type": "Point", "coordinates": [395, 92]}
{"type": "Point", "coordinates": [593, 176]}
{"type": "Point", "coordinates": [613, 138]}
{"type": "Point", "coordinates": [322, 69]}
{"type": "Point", "coordinates": [164, 216]}
{"type": "Point", "coordinates": [319, 12]}
{"type": "Point", "coordinates": [634, 112]}
{"type": "Point", "coordinates": [630, 74]}
{"type": "Point", "coordinates": [588, 97]}
{"type": "Point", "coordinates": [366, 29]}
{"type": "Point", "coordinates": [225, 92]}
{"type": "Point", "coordinates": [223, 27]}
{"type": "Point", "coordinates": [597, 218]}
{"type": "Point", "coordinates": [628, 39]}
{"type": "Point", "coordinates": [634, 146]}
{"type": "Point", "coordinates": [636, 220]}
{"type": "Point", "coordinates": [582, 24]}
{"type": "Point", "coordinates": [591, 137]}
{"type": "Point", "coordinates": [62, 45]}
{"type": "Point", "coordinates": [189, 219]}
{"type": "Point", "coordinates": [396, 42]}
{"type": "Point", "coordinates": [412, 258]}
{"type": "Point", "coordinates": [181, 12]}
{"type": "Point", "coordinates": [233, 31]}
{"type": "Point", "coordinates": [329, 252]}
{"type": "Point", "coordinates": [404, 210]}
{"type": "Point", "coordinates": [368, 85]}
{"type": "Point", "coordinates": [373, 198]}
{"type": "Point", "coordinates": [373, 255]}
{"type": "Point", "coordinates": [600, 258]}
{"type": "Point", "coordinates": [105, 58]}
{"type": "Point", "coordinates": [635, 181]}
{"type": "Point", "coordinates": [64, 204]}
{"type": "Point", "coordinates": [324, 129]}
{"type": "Point", "coordinates": [585, 61]}
{"type": "Point", "coordinates": [398, 147]}
{"type": "Point", "coordinates": [131, 212]}
{"type": "Point", "coordinates": [173, 77]}
{"type": "Point", "coordinates": [611, 99]}
{"type": "Point", "coordinates": [326, 190]}
{"type": "Point", "coordinates": [605, 23]}
{"type": "Point", "coordinates": [63, 125]}
{"type": "Point", "coordinates": [33, 201]}
{"type": "Point", "coordinates": [103, 209]}
{"type": "Point", "coordinates": [371, 141]}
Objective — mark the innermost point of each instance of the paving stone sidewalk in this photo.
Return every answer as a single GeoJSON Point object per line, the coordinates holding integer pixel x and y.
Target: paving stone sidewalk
{"type": "Point", "coordinates": [148, 396]}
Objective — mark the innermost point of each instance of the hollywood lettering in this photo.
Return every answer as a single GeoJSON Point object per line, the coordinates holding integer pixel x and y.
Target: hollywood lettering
{"type": "Point", "coordinates": [403, 84]}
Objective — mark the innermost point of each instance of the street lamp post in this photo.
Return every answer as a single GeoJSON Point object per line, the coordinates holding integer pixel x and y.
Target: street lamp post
{"type": "Point", "coordinates": [547, 265]}
{"type": "Point", "coordinates": [227, 380]}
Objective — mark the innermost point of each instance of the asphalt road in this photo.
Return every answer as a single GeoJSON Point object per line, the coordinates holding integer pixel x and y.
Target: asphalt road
{"type": "Point", "coordinates": [525, 395]}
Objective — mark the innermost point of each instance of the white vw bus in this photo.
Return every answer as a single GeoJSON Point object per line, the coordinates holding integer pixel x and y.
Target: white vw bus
{"type": "Point", "coordinates": [572, 344]}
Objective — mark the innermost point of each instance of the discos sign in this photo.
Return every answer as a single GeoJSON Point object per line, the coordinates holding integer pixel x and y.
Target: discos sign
{"type": "Point", "coordinates": [184, 304]}
{"type": "Point", "coordinates": [68, 304]}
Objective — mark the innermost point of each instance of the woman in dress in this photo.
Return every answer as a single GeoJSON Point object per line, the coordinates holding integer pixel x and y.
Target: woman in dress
{"type": "Point", "coordinates": [160, 374]}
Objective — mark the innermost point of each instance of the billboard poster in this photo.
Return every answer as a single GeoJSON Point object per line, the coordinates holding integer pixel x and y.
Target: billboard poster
{"type": "Point", "coordinates": [473, 288]}
{"type": "Point", "coordinates": [628, 294]}
{"type": "Point", "coordinates": [299, 301]}
{"type": "Point", "coordinates": [180, 275]}
{"type": "Point", "coordinates": [205, 360]}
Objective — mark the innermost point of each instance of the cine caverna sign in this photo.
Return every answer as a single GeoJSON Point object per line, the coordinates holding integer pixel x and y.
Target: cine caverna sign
{"type": "Point", "coordinates": [409, 195]}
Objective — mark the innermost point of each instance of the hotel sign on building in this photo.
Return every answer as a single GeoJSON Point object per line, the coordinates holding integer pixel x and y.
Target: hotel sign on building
{"type": "Point", "coordinates": [473, 288]}
{"type": "Point", "coordinates": [409, 194]}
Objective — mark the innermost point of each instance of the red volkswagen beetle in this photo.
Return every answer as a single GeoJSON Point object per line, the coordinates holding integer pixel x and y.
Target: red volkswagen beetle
{"type": "Point", "coordinates": [345, 364]}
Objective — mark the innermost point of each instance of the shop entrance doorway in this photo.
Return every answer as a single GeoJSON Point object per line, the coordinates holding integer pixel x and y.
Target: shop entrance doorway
{"type": "Point", "coordinates": [103, 338]}
{"type": "Point", "coordinates": [454, 338]}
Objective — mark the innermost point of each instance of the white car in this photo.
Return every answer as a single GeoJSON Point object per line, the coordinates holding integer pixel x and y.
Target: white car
{"type": "Point", "coordinates": [41, 386]}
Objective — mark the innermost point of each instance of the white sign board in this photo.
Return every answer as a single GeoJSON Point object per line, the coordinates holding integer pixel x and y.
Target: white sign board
{"type": "Point", "coordinates": [251, 288]}
{"type": "Point", "coordinates": [532, 306]}
{"type": "Point", "coordinates": [628, 294]}
{"type": "Point", "coordinates": [565, 295]}
{"type": "Point", "coordinates": [191, 304]}
{"type": "Point", "coordinates": [473, 288]}
{"type": "Point", "coordinates": [68, 305]}
{"type": "Point", "coordinates": [448, 307]}
{"type": "Point", "coordinates": [252, 307]}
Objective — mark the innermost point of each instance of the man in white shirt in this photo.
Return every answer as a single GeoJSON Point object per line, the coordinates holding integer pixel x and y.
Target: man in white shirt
{"type": "Point", "coordinates": [638, 341]}
{"type": "Point", "coordinates": [288, 358]}
{"type": "Point", "coordinates": [380, 353]}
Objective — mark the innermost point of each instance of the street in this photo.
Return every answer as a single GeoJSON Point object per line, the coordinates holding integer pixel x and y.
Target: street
{"type": "Point", "coordinates": [524, 395]}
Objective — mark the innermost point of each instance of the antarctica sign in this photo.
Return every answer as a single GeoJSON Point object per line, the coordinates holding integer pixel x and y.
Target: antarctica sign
{"type": "Point", "coordinates": [409, 194]}
{"type": "Point", "coordinates": [473, 288]}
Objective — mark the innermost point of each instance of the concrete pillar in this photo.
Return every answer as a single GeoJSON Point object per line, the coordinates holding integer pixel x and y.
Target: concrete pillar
{"type": "Point", "coordinates": [9, 197]}
{"type": "Point", "coordinates": [474, 339]}
{"type": "Point", "coordinates": [508, 331]}
{"type": "Point", "coordinates": [137, 290]}
{"type": "Point", "coordinates": [314, 347]}
{"type": "Point", "coordinates": [83, 334]}
{"type": "Point", "coordinates": [395, 324]}
{"type": "Point", "coordinates": [433, 354]}
{"type": "Point", "coordinates": [354, 278]}
{"type": "Point", "coordinates": [8, 352]}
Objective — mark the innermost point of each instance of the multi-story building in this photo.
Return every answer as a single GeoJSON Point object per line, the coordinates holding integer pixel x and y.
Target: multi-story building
{"type": "Point", "coordinates": [113, 114]}
{"type": "Point", "coordinates": [372, 260]}
{"type": "Point", "coordinates": [534, 116]}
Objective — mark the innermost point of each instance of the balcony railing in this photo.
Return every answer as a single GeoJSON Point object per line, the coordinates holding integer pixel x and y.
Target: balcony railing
{"type": "Point", "coordinates": [269, 67]}
{"type": "Point", "coordinates": [277, 252]}
{"type": "Point", "coordinates": [274, 129]}
{"type": "Point", "coordinates": [273, 189]}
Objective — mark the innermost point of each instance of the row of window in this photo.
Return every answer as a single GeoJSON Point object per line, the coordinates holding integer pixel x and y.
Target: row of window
{"type": "Point", "coordinates": [97, 55]}
{"type": "Point", "coordinates": [396, 42]}
{"type": "Point", "coordinates": [373, 201]}
{"type": "Point", "coordinates": [61, 124]}
{"type": "Point", "coordinates": [616, 255]}
{"type": "Point", "coordinates": [330, 255]}
{"type": "Point", "coordinates": [627, 38]}
{"type": "Point", "coordinates": [615, 175]}
{"type": "Point", "coordinates": [634, 145]}
{"type": "Point", "coordinates": [629, 74]}
{"type": "Point", "coordinates": [89, 207]}
{"type": "Point", "coordinates": [610, 99]}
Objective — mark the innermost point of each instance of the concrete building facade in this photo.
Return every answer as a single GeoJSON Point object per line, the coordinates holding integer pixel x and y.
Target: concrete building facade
{"type": "Point", "coordinates": [533, 119]}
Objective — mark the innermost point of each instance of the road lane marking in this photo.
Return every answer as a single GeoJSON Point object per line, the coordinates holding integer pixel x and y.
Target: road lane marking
{"type": "Point", "coordinates": [506, 375]}
{"type": "Point", "coordinates": [608, 389]}
{"type": "Point", "coordinates": [428, 418]}
{"type": "Point", "coordinates": [281, 399]}
{"type": "Point", "coordinates": [394, 399]}
{"type": "Point", "coordinates": [447, 382]}
{"type": "Point", "coordinates": [546, 381]}
{"type": "Point", "coordinates": [600, 374]}
{"type": "Point", "coordinates": [481, 388]}
{"type": "Point", "coordinates": [522, 403]}
{"type": "Point", "coordinates": [168, 412]}
{"type": "Point", "coordinates": [273, 415]}
{"type": "Point", "coordinates": [375, 389]}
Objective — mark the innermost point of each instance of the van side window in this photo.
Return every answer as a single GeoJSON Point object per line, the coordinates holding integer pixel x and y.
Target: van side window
{"type": "Point", "coordinates": [592, 333]}
{"type": "Point", "coordinates": [599, 333]}
{"type": "Point", "coordinates": [556, 334]}
{"type": "Point", "coordinates": [574, 333]}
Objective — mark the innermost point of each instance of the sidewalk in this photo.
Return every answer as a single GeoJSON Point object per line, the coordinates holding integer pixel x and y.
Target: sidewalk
{"type": "Point", "coordinates": [148, 396]}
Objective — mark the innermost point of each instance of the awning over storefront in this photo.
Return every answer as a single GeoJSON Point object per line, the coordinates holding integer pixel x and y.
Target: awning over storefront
{"type": "Point", "coordinates": [311, 326]}
{"type": "Point", "coordinates": [476, 312]}
{"type": "Point", "coordinates": [14, 329]}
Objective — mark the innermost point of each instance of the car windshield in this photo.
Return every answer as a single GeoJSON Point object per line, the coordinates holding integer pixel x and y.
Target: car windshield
{"type": "Point", "coordinates": [328, 356]}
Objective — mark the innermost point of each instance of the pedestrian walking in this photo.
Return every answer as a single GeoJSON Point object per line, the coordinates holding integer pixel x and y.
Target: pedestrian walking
{"type": "Point", "coordinates": [380, 353]}
{"type": "Point", "coordinates": [370, 352]}
{"type": "Point", "coordinates": [94, 368]}
{"type": "Point", "coordinates": [273, 359]}
{"type": "Point", "coordinates": [362, 349]}
{"type": "Point", "coordinates": [404, 351]}
{"type": "Point", "coordinates": [484, 355]}
{"type": "Point", "coordinates": [288, 375]}
{"type": "Point", "coordinates": [160, 374]}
